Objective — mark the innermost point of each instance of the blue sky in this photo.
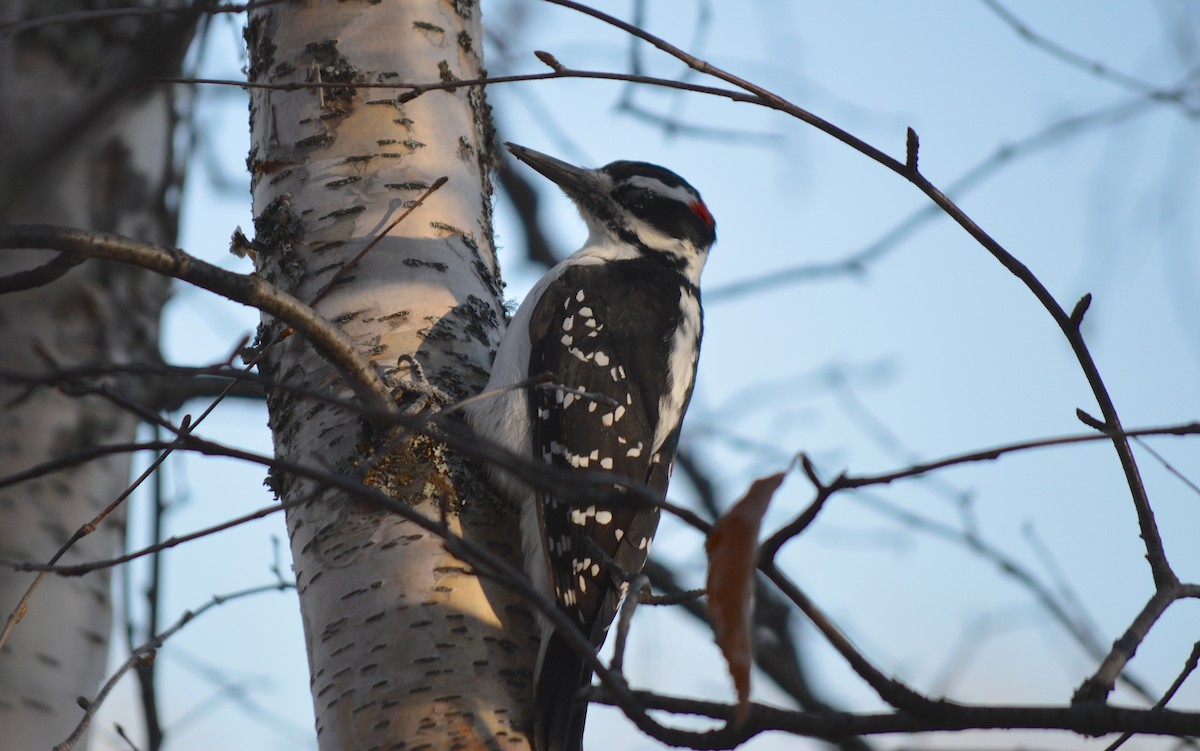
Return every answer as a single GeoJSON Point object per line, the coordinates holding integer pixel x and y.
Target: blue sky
{"type": "Point", "coordinates": [931, 350]}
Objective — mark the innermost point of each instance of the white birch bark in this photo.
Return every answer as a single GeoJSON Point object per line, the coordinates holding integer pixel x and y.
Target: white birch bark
{"type": "Point", "coordinates": [84, 144]}
{"type": "Point", "coordinates": [406, 647]}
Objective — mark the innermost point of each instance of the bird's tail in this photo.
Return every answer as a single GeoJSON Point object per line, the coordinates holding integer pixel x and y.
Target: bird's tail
{"type": "Point", "coordinates": [559, 713]}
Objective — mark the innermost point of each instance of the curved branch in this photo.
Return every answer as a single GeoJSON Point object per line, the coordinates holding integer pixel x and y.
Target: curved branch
{"type": "Point", "coordinates": [1160, 569]}
{"type": "Point", "coordinates": [917, 713]}
{"type": "Point", "coordinates": [1156, 555]}
{"type": "Point", "coordinates": [328, 339]}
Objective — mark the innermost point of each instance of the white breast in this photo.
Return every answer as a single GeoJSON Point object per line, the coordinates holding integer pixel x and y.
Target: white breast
{"type": "Point", "coordinates": [681, 368]}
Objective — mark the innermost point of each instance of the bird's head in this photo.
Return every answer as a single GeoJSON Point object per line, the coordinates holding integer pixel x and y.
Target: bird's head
{"type": "Point", "coordinates": [636, 203]}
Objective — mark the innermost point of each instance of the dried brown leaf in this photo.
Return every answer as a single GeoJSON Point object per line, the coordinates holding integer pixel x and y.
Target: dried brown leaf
{"type": "Point", "coordinates": [732, 552]}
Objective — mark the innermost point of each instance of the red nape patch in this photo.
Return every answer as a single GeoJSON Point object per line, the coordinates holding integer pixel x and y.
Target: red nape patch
{"type": "Point", "coordinates": [702, 211]}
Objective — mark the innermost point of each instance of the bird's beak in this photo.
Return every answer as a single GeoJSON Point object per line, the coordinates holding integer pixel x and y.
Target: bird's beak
{"type": "Point", "coordinates": [576, 182]}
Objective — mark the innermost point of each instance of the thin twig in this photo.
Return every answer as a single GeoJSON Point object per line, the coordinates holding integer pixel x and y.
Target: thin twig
{"type": "Point", "coordinates": [349, 265]}
{"type": "Point", "coordinates": [848, 482]}
{"type": "Point", "coordinates": [185, 428]}
{"type": "Point", "coordinates": [1073, 624]}
{"type": "Point", "coordinates": [1169, 467]}
{"type": "Point", "coordinates": [1189, 667]}
{"type": "Point", "coordinates": [934, 714]}
{"type": "Point", "coordinates": [1160, 568]}
{"type": "Point", "coordinates": [147, 651]}
{"type": "Point", "coordinates": [79, 569]}
{"type": "Point", "coordinates": [22, 607]}
{"type": "Point", "coordinates": [415, 90]}
{"type": "Point", "coordinates": [1099, 685]}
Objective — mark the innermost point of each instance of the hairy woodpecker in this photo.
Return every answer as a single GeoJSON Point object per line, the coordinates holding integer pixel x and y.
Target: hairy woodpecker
{"type": "Point", "coordinates": [618, 324]}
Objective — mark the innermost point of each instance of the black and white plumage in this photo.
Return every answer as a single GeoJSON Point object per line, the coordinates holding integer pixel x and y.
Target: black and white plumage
{"type": "Point", "coordinates": [619, 319]}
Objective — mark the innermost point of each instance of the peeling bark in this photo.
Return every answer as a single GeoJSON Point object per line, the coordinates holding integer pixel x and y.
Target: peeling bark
{"type": "Point", "coordinates": [405, 644]}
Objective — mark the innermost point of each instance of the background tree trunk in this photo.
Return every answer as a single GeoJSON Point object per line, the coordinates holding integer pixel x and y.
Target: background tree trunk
{"type": "Point", "coordinates": [86, 143]}
{"type": "Point", "coordinates": [404, 644]}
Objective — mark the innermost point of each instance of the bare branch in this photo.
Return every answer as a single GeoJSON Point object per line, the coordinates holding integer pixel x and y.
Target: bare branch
{"type": "Point", "coordinates": [919, 712]}
{"type": "Point", "coordinates": [79, 569]}
{"type": "Point", "coordinates": [418, 89]}
{"type": "Point", "coordinates": [1156, 555]}
{"type": "Point", "coordinates": [572, 483]}
{"type": "Point", "coordinates": [846, 482]}
{"type": "Point", "coordinates": [759, 95]}
{"type": "Point", "coordinates": [1189, 667]}
{"type": "Point", "coordinates": [1192, 485]}
{"type": "Point", "coordinates": [1085, 721]}
{"type": "Point", "coordinates": [1159, 566]}
{"type": "Point", "coordinates": [1073, 624]}
{"type": "Point", "coordinates": [1097, 687]}
{"type": "Point", "coordinates": [1005, 155]}
{"type": "Point", "coordinates": [148, 651]}
{"type": "Point", "coordinates": [247, 289]}
{"type": "Point", "coordinates": [19, 611]}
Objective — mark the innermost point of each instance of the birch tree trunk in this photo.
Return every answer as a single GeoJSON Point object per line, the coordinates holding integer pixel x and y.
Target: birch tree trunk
{"type": "Point", "coordinates": [407, 648]}
{"type": "Point", "coordinates": [85, 143]}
